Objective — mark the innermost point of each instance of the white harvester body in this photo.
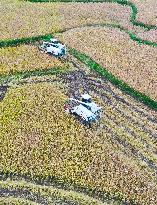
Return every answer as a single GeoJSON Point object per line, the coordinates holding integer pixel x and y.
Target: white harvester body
{"type": "Point", "coordinates": [54, 47]}
{"type": "Point", "coordinates": [87, 111]}
{"type": "Point", "coordinates": [83, 112]}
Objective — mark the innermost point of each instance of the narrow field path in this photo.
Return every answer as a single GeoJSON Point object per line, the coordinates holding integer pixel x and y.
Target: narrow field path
{"type": "Point", "coordinates": [3, 90]}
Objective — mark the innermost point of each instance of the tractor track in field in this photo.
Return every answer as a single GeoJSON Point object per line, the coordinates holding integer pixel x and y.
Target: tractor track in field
{"type": "Point", "coordinates": [113, 92]}
{"type": "Point", "coordinates": [23, 194]}
{"type": "Point", "coordinates": [34, 197]}
{"type": "Point", "coordinates": [111, 89]}
{"type": "Point", "coordinates": [3, 91]}
{"type": "Point", "coordinates": [81, 78]}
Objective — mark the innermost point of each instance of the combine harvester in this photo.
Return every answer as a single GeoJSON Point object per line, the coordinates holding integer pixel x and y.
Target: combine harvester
{"type": "Point", "coordinates": [86, 111]}
{"type": "Point", "coordinates": [53, 47]}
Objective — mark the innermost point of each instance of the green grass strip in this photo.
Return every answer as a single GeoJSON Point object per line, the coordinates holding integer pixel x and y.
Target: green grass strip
{"type": "Point", "coordinates": [29, 40]}
{"type": "Point", "coordinates": [134, 14]}
{"type": "Point", "coordinates": [113, 79]}
{"type": "Point", "coordinates": [140, 96]}
{"type": "Point", "coordinates": [16, 42]}
{"type": "Point", "coordinates": [123, 86]}
{"type": "Point", "coordinates": [130, 33]}
{"type": "Point", "coordinates": [26, 74]}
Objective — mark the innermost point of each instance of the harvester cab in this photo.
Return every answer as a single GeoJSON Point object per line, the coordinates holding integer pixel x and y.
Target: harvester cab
{"type": "Point", "coordinates": [90, 104]}
{"type": "Point", "coordinates": [86, 110]}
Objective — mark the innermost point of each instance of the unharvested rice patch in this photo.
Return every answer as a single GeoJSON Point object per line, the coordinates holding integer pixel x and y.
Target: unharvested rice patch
{"type": "Point", "coordinates": [66, 148]}
{"type": "Point", "coordinates": [24, 19]}
{"type": "Point", "coordinates": [25, 57]}
{"type": "Point", "coordinates": [147, 10]}
{"type": "Point", "coordinates": [53, 17]}
{"type": "Point", "coordinates": [79, 14]}
{"type": "Point", "coordinates": [148, 35]}
{"type": "Point", "coordinates": [133, 63]}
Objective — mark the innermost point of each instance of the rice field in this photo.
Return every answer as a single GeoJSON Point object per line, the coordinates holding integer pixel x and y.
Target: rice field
{"type": "Point", "coordinates": [48, 18]}
{"type": "Point", "coordinates": [46, 155]}
{"type": "Point", "coordinates": [41, 19]}
{"type": "Point", "coordinates": [144, 8]}
{"type": "Point", "coordinates": [133, 63]}
{"type": "Point", "coordinates": [26, 58]}
{"type": "Point", "coordinates": [78, 153]}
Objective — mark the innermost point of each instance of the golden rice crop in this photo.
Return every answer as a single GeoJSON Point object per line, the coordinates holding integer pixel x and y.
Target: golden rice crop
{"type": "Point", "coordinates": [147, 10]}
{"type": "Point", "coordinates": [25, 57]}
{"type": "Point", "coordinates": [52, 17]}
{"type": "Point", "coordinates": [133, 63]}
{"type": "Point", "coordinates": [78, 14]}
{"type": "Point", "coordinates": [38, 137]}
{"type": "Point", "coordinates": [16, 201]}
{"type": "Point", "coordinates": [23, 19]}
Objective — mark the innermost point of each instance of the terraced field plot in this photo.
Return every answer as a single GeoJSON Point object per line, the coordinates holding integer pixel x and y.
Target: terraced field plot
{"type": "Point", "coordinates": [144, 7]}
{"type": "Point", "coordinates": [26, 58]}
{"type": "Point", "coordinates": [47, 156]}
{"type": "Point", "coordinates": [41, 19]}
{"type": "Point", "coordinates": [133, 63]}
{"type": "Point", "coordinates": [51, 18]}
{"type": "Point", "coordinates": [133, 140]}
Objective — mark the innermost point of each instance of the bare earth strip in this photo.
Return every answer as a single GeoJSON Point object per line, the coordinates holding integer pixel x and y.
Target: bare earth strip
{"type": "Point", "coordinates": [133, 63]}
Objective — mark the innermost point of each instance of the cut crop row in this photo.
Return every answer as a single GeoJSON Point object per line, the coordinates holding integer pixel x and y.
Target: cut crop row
{"type": "Point", "coordinates": [15, 201]}
{"type": "Point", "coordinates": [122, 57]}
{"type": "Point", "coordinates": [45, 194]}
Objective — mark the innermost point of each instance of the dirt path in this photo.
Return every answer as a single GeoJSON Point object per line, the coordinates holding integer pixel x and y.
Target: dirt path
{"type": "Point", "coordinates": [3, 90]}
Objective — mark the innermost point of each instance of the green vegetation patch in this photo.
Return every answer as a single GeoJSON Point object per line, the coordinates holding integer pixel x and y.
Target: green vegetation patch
{"type": "Point", "coordinates": [29, 40]}
{"type": "Point", "coordinates": [4, 79]}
